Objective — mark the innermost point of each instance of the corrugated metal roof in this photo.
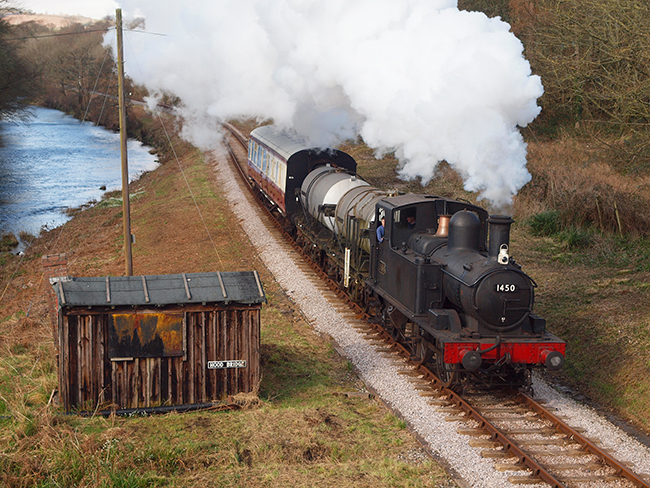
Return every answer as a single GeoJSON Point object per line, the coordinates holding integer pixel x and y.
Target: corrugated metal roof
{"type": "Point", "coordinates": [242, 287]}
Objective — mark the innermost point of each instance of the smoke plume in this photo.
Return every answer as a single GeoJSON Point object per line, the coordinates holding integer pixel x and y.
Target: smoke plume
{"type": "Point", "coordinates": [418, 77]}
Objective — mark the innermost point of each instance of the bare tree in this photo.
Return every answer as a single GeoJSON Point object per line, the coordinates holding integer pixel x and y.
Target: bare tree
{"type": "Point", "coordinates": [594, 58]}
{"type": "Point", "coordinates": [17, 80]}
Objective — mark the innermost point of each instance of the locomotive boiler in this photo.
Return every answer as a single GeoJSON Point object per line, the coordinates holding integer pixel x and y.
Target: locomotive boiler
{"type": "Point", "coordinates": [441, 281]}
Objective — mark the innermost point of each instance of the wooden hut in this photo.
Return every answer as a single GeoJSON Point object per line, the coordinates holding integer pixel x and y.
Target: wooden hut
{"type": "Point", "coordinates": [157, 341]}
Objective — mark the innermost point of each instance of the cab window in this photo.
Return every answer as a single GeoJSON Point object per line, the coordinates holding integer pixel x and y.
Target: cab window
{"type": "Point", "coordinates": [405, 218]}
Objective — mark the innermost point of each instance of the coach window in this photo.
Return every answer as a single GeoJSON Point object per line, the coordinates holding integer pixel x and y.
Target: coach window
{"type": "Point", "coordinates": [283, 176]}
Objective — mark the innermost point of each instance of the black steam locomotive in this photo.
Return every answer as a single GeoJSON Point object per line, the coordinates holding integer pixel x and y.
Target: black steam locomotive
{"type": "Point", "coordinates": [438, 277]}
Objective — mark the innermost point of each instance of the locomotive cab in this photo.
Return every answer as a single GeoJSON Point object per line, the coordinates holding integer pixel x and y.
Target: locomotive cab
{"type": "Point", "coordinates": [402, 266]}
{"type": "Point", "coordinates": [396, 271]}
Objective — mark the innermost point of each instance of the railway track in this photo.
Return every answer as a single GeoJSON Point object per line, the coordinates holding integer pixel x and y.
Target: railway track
{"type": "Point", "coordinates": [526, 439]}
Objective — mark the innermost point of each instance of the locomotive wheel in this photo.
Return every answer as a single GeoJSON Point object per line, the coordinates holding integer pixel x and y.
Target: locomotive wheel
{"type": "Point", "coordinates": [447, 378]}
{"type": "Point", "coordinates": [423, 353]}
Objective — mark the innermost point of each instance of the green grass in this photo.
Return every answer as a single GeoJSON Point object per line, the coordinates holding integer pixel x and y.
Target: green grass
{"type": "Point", "coordinates": [8, 242]}
{"type": "Point", "coordinates": [586, 246]}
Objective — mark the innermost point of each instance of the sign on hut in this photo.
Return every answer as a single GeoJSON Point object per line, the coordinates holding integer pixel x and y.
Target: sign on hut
{"type": "Point", "coordinates": [157, 341]}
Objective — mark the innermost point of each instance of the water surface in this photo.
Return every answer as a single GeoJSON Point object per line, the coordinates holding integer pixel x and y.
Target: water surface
{"type": "Point", "coordinates": [52, 162]}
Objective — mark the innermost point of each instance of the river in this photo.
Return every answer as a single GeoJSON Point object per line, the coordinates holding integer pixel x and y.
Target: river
{"type": "Point", "coordinates": [52, 162]}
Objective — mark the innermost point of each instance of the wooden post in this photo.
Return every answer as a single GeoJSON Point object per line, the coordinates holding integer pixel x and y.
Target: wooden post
{"type": "Point", "coordinates": [618, 219]}
{"type": "Point", "coordinates": [126, 208]}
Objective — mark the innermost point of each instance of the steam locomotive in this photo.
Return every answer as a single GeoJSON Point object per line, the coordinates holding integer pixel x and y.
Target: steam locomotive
{"type": "Point", "coordinates": [441, 280]}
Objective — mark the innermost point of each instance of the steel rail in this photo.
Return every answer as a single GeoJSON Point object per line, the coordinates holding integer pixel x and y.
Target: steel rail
{"type": "Point", "coordinates": [586, 444]}
{"type": "Point", "coordinates": [508, 444]}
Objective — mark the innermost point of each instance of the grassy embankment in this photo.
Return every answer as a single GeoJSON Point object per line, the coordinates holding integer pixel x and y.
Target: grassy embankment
{"type": "Point", "coordinates": [300, 433]}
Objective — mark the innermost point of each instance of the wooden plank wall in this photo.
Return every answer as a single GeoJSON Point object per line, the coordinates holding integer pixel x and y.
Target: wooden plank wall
{"type": "Point", "coordinates": [88, 379]}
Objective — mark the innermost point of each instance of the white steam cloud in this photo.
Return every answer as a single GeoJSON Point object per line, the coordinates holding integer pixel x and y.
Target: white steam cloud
{"type": "Point", "coordinates": [418, 77]}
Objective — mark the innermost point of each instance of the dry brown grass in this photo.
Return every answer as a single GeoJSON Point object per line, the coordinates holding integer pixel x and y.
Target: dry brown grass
{"type": "Point", "coordinates": [574, 178]}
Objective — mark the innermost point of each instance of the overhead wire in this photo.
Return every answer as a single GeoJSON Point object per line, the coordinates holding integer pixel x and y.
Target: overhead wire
{"type": "Point", "coordinates": [89, 31]}
{"type": "Point", "coordinates": [106, 97]}
{"type": "Point", "coordinates": [187, 183]}
{"type": "Point", "coordinates": [61, 34]}
{"type": "Point", "coordinates": [189, 188]}
{"type": "Point", "coordinates": [92, 94]}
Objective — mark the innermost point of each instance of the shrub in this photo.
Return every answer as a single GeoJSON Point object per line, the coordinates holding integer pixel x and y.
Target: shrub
{"type": "Point", "coordinates": [576, 238]}
{"type": "Point", "coordinates": [545, 224]}
{"type": "Point", "coordinates": [8, 242]}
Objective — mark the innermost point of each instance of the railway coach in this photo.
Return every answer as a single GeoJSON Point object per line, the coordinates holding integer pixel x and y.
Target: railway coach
{"type": "Point", "coordinates": [279, 162]}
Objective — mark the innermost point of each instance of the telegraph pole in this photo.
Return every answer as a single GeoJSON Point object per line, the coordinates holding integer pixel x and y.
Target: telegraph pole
{"type": "Point", "coordinates": [126, 206]}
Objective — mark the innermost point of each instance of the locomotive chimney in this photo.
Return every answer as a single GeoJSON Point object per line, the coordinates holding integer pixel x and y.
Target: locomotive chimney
{"type": "Point", "coordinates": [499, 236]}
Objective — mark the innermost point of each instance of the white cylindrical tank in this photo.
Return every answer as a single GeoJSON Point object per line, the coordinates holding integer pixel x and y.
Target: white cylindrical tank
{"type": "Point", "coordinates": [356, 212]}
{"type": "Point", "coordinates": [323, 188]}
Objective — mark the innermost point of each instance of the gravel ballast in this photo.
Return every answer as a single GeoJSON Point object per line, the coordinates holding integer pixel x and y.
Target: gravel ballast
{"type": "Point", "coordinates": [382, 374]}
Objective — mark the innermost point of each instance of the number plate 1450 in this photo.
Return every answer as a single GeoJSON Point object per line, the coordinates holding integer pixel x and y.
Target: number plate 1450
{"type": "Point", "coordinates": [501, 288]}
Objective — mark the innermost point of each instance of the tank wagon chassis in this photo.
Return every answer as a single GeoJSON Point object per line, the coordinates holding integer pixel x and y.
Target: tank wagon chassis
{"type": "Point", "coordinates": [441, 282]}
